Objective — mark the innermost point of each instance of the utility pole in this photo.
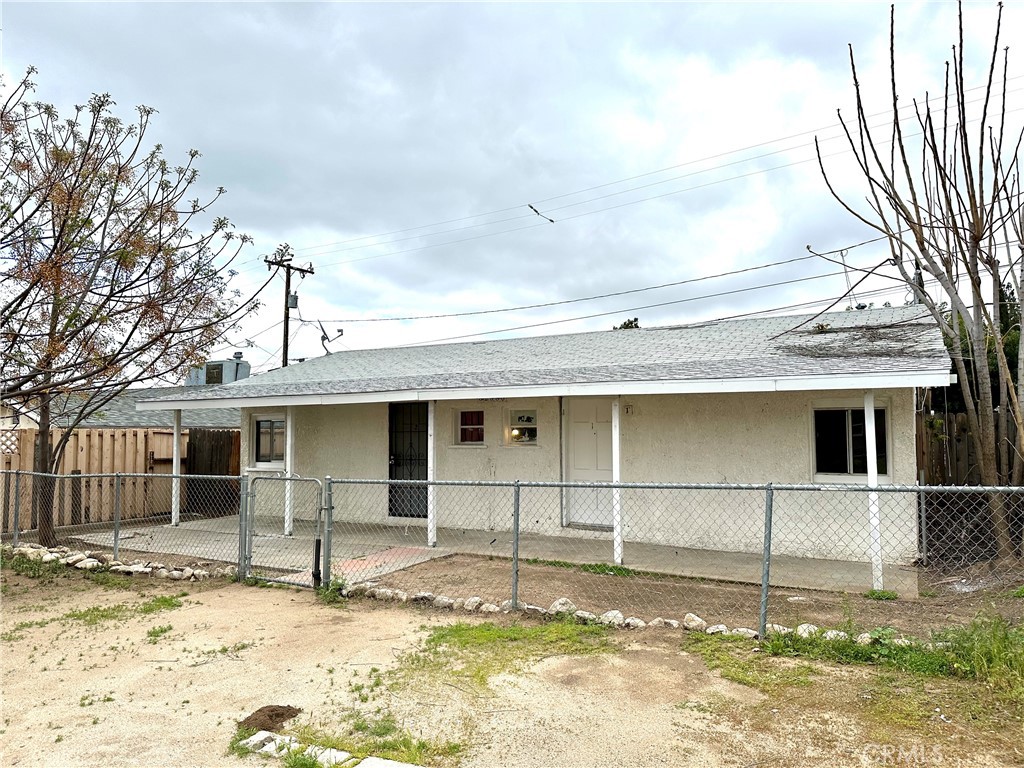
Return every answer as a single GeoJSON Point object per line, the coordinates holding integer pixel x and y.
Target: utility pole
{"type": "Point", "coordinates": [283, 259]}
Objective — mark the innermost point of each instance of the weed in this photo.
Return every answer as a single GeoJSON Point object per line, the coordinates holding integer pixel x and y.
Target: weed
{"type": "Point", "coordinates": [297, 759]}
{"type": "Point", "coordinates": [330, 594]}
{"type": "Point", "coordinates": [99, 614]}
{"type": "Point", "coordinates": [109, 580]}
{"type": "Point", "coordinates": [156, 633]}
{"type": "Point", "coordinates": [380, 735]}
{"type": "Point", "coordinates": [1019, 592]}
{"type": "Point", "coordinates": [881, 594]}
{"type": "Point", "coordinates": [235, 747]}
{"type": "Point", "coordinates": [35, 569]}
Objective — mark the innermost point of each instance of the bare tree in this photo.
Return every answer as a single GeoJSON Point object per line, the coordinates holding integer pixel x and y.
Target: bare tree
{"type": "Point", "coordinates": [107, 280]}
{"type": "Point", "coordinates": [945, 191]}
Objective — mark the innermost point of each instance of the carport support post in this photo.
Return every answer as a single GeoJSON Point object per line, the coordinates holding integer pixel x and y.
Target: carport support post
{"type": "Point", "coordinates": [431, 500]}
{"type": "Point", "coordinates": [289, 466]}
{"type": "Point", "coordinates": [117, 511]}
{"type": "Point", "coordinates": [176, 470]}
{"type": "Point", "coordinates": [328, 530]}
{"type": "Point", "coordinates": [616, 491]}
{"type": "Point", "coordinates": [766, 561]}
{"type": "Point", "coordinates": [874, 516]}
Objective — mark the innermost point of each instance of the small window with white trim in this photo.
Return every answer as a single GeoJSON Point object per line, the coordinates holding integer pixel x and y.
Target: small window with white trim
{"type": "Point", "coordinates": [268, 439]}
{"type": "Point", "coordinates": [469, 428]}
{"type": "Point", "coordinates": [522, 427]}
{"type": "Point", "coordinates": [839, 442]}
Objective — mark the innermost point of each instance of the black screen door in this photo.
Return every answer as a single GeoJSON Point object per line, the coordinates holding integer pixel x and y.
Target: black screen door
{"type": "Point", "coordinates": [407, 441]}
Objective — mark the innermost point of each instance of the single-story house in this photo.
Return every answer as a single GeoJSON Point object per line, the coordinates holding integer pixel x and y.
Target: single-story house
{"type": "Point", "coordinates": [780, 399]}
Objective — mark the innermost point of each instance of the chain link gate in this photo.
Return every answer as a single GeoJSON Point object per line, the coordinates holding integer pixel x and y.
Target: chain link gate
{"type": "Point", "coordinates": [284, 526]}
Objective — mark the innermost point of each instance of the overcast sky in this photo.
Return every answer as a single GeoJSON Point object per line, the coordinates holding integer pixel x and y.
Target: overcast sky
{"type": "Point", "coordinates": [397, 147]}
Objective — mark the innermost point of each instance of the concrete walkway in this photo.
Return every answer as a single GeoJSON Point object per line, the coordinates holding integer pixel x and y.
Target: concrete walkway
{"type": "Point", "coordinates": [362, 552]}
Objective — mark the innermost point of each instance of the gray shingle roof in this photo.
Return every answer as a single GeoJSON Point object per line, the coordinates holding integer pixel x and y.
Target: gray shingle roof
{"type": "Point", "coordinates": [121, 412]}
{"type": "Point", "coordinates": [876, 341]}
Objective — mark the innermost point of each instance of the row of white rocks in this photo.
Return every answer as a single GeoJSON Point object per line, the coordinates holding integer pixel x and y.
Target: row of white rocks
{"type": "Point", "coordinates": [268, 744]}
{"type": "Point", "coordinates": [91, 561]}
{"type": "Point", "coordinates": [563, 606]}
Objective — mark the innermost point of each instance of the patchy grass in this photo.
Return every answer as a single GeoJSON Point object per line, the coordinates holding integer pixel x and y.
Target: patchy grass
{"type": "Point", "coordinates": [235, 747]}
{"type": "Point", "coordinates": [380, 735]}
{"type": "Point", "coordinates": [162, 603]}
{"type": "Point", "coordinates": [738, 660]}
{"type": "Point", "coordinates": [989, 651]}
{"type": "Point", "coordinates": [34, 569]}
{"type": "Point", "coordinates": [1019, 592]}
{"type": "Point", "coordinates": [330, 594]}
{"type": "Point", "coordinates": [477, 652]}
{"type": "Point", "coordinates": [881, 594]}
{"type": "Point", "coordinates": [154, 634]}
{"type": "Point", "coordinates": [299, 759]}
{"type": "Point", "coordinates": [90, 617]}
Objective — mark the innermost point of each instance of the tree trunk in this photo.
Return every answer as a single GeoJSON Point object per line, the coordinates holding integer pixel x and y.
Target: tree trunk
{"type": "Point", "coordinates": [43, 483]}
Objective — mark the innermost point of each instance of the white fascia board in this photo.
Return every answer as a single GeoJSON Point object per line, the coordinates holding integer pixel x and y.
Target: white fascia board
{"type": "Point", "coordinates": [905, 380]}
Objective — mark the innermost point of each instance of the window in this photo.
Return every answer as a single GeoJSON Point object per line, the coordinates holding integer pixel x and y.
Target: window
{"type": "Point", "coordinates": [839, 442]}
{"type": "Point", "coordinates": [523, 427]}
{"type": "Point", "coordinates": [214, 373]}
{"type": "Point", "coordinates": [470, 429]}
{"type": "Point", "coordinates": [268, 440]}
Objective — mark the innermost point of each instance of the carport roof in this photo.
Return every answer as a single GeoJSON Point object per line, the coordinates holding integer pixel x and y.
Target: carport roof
{"type": "Point", "coordinates": [897, 347]}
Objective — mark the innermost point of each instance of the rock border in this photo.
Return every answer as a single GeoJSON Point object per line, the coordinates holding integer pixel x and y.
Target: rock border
{"type": "Point", "coordinates": [96, 560]}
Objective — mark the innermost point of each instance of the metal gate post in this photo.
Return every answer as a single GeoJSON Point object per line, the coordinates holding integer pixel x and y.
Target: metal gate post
{"type": "Point", "coordinates": [328, 530]}
{"type": "Point", "coordinates": [243, 514]}
{"type": "Point", "coordinates": [17, 504]}
{"type": "Point", "coordinates": [515, 545]}
{"type": "Point", "coordinates": [766, 560]}
{"type": "Point", "coordinates": [117, 511]}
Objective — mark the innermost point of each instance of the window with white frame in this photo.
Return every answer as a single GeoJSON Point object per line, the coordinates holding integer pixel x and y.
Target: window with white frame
{"type": "Point", "coordinates": [839, 442]}
{"type": "Point", "coordinates": [522, 427]}
{"type": "Point", "coordinates": [268, 438]}
{"type": "Point", "coordinates": [469, 428]}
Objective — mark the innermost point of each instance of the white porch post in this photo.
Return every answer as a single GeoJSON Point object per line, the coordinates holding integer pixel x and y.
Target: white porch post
{"type": "Point", "coordinates": [289, 465]}
{"type": "Point", "coordinates": [431, 505]}
{"type": "Point", "coordinates": [616, 492]}
{"type": "Point", "coordinates": [874, 517]}
{"type": "Point", "coordinates": [176, 470]}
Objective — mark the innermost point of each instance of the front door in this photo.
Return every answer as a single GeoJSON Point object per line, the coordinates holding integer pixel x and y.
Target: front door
{"type": "Point", "coordinates": [407, 446]}
{"type": "Point", "coordinates": [589, 460]}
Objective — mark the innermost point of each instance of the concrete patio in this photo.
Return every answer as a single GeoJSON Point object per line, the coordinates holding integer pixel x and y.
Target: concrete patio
{"type": "Point", "coordinates": [362, 552]}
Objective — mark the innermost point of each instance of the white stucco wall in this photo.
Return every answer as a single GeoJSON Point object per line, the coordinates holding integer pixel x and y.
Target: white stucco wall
{"type": "Point", "coordinates": [726, 438]}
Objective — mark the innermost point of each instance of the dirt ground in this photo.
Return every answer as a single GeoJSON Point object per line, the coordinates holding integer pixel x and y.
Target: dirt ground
{"type": "Point", "coordinates": [736, 605]}
{"type": "Point", "coordinates": [91, 678]}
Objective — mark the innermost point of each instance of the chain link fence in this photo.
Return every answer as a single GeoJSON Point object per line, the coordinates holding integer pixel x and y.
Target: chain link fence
{"type": "Point", "coordinates": [742, 555]}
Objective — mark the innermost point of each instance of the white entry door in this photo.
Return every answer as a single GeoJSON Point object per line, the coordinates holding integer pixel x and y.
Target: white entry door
{"type": "Point", "coordinates": [589, 460]}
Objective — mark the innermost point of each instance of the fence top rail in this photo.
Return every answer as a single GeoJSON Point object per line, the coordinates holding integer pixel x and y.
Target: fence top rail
{"type": "Point", "coordinates": [113, 475]}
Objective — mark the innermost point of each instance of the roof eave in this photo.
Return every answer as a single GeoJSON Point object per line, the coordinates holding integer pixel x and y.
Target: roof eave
{"type": "Point", "coordinates": [895, 380]}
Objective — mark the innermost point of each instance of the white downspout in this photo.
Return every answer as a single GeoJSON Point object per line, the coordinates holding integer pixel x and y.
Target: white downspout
{"type": "Point", "coordinates": [874, 516]}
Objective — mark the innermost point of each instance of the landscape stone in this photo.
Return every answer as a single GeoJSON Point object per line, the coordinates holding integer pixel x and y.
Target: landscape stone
{"type": "Point", "coordinates": [778, 629]}
{"type": "Point", "coordinates": [257, 740]}
{"type": "Point", "coordinates": [328, 757]}
{"type": "Point", "coordinates": [657, 622]}
{"type": "Point", "coordinates": [534, 610]}
{"type": "Point", "coordinates": [380, 762]}
{"type": "Point", "coordinates": [88, 564]}
{"type": "Point", "coordinates": [459, 602]}
{"type": "Point", "coordinates": [611, 618]}
{"type": "Point", "coordinates": [278, 744]}
{"type": "Point", "coordinates": [400, 596]}
{"type": "Point", "coordinates": [442, 601]}
{"type": "Point", "coordinates": [744, 632]}
{"type": "Point", "coordinates": [74, 558]}
{"type": "Point", "coordinates": [489, 608]}
{"type": "Point", "coordinates": [161, 573]}
{"type": "Point", "coordinates": [186, 573]}
{"type": "Point", "coordinates": [422, 597]}
{"type": "Point", "coordinates": [585, 617]}
{"type": "Point", "coordinates": [634, 623]}
{"type": "Point", "coordinates": [472, 604]}
{"type": "Point", "coordinates": [176, 575]}
{"type": "Point", "coordinates": [694, 623]}
{"type": "Point", "coordinates": [671, 623]}
{"type": "Point", "coordinates": [49, 557]}
{"type": "Point", "coordinates": [807, 630]}
{"type": "Point", "coordinates": [717, 629]}
{"type": "Point", "coordinates": [506, 606]}
{"type": "Point", "coordinates": [836, 634]}
{"type": "Point", "coordinates": [562, 605]}
{"type": "Point", "coordinates": [864, 638]}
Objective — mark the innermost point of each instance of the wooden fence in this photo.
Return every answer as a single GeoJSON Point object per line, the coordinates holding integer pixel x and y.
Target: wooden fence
{"type": "Point", "coordinates": [82, 500]}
